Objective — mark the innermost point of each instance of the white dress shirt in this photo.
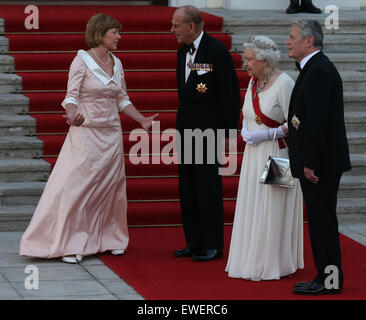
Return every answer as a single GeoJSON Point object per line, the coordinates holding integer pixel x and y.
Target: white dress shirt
{"type": "Point", "coordinates": [196, 43]}
{"type": "Point", "coordinates": [304, 61]}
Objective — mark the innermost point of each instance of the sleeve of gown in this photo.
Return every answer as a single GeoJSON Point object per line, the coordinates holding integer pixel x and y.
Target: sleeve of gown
{"type": "Point", "coordinates": [76, 75]}
{"type": "Point", "coordinates": [285, 96]}
{"type": "Point", "coordinates": [123, 99]}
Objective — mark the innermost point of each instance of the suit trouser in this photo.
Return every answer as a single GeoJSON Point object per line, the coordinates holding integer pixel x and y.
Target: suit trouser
{"type": "Point", "coordinates": [321, 203]}
{"type": "Point", "coordinates": [200, 189]}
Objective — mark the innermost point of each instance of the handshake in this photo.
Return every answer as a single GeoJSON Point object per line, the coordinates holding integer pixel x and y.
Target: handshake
{"type": "Point", "coordinates": [257, 136]}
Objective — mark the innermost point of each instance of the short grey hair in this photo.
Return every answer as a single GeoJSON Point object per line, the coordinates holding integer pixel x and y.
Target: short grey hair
{"type": "Point", "coordinates": [311, 28]}
{"type": "Point", "coordinates": [192, 14]}
{"type": "Point", "coordinates": [264, 48]}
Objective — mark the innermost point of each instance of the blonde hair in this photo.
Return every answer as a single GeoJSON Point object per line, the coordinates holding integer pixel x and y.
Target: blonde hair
{"type": "Point", "coordinates": [97, 27]}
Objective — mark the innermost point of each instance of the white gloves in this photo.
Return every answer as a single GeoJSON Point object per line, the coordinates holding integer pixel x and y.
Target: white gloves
{"type": "Point", "coordinates": [257, 136]}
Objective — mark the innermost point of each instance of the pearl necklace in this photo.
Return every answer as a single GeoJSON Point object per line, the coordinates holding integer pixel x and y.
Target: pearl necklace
{"type": "Point", "coordinates": [104, 64]}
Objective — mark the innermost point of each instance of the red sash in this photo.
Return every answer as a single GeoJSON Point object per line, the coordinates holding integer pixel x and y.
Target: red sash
{"type": "Point", "coordinates": [261, 118]}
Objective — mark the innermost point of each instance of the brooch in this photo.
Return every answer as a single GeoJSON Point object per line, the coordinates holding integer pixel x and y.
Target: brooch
{"type": "Point", "coordinates": [295, 122]}
{"type": "Point", "coordinates": [258, 119]}
{"type": "Point", "coordinates": [201, 88]}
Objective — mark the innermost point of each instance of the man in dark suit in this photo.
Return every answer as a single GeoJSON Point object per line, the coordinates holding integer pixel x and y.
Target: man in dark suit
{"type": "Point", "coordinates": [318, 150]}
{"type": "Point", "coordinates": [209, 99]}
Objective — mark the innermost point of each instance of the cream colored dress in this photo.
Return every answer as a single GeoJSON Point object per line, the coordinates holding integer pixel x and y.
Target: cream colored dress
{"type": "Point", "coordinates": [83, 207]}
{"type": "Point", "coordinates": [267, 236]}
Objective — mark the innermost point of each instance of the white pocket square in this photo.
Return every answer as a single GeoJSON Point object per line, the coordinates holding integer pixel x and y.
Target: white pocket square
{"type": "Point", "coordinates": [201, 72]}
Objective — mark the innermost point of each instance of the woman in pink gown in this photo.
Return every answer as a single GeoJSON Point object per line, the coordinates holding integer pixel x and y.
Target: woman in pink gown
{"type": "Point", "coordinates": [83, 208]}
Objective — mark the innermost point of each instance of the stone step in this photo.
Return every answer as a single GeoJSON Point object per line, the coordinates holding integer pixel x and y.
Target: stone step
{"type": "Point", "coordinates": [10, 83]}
{"type": "Point", "coordinates": [17, 125]}
{"type": "Point", "coordinates": [6, 63]}
{"type": "Point", "coordinates": [342, 61]}
{"type": "Point", "coordinates": [4, 44]}
{"type": "Point", "coordinates": [22, 169]}
{"type": "Point", "coordinates": [20, 147]}
{"type": "Point", "coordinates": [20, 193]}
{"type": "Point", "coordinates": [351, 206]}
{"type": "Point", "coordinates": [358, 165]}
{"type": "Point", "coordinates": [352, 80]}
{"type": "Point", "coordinates": [278, 22]}
{"type": "Point", "coordinates": [354, 101]}
{"type": "Point", "coordinates": [333, 43]}
{"type": "Point", "coordinates": [352, 186]}
{"type": "Point", "coordinates": [355, 120]}
{"type": "Point", "coordinates": [13, 103]}
{"type": "Point", "coordinates": [15, 218]}
{"type": "Point", "coordinates": [1, 25]}
{"type": "Point", "coordinates": [353, 61]}
{"type": "Point", "coordinates": [357, 142]}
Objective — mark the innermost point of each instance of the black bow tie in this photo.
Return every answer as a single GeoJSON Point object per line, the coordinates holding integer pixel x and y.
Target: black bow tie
{"type": "Point", "coordinates": [298, 66]}
{"type": "Point", "coordinates": [191, 49]}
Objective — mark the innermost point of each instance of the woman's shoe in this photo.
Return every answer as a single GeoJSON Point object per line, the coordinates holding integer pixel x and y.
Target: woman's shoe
{"type": "Point", "coordinates": [69, 259]}
{"type": "Point", "coordinates": [118, 252]}
{"type": "Point", "coordinates": [79, 257]}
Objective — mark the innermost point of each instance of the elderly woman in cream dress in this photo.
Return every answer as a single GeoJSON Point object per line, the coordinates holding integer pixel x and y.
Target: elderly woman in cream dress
{"type": "Point", "coordinates": [267, 236]}
{"type": "Point", "coordinates": [82, 210]}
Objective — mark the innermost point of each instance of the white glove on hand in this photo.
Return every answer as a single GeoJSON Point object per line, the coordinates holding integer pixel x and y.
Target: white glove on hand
{"type": "Point", "coordinates": [257, 136]}
{"type": "Point", "coordinates": [244, 132]}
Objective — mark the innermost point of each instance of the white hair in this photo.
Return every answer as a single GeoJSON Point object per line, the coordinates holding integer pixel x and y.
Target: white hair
{"type": "Point", "coordinates": [264, 48]}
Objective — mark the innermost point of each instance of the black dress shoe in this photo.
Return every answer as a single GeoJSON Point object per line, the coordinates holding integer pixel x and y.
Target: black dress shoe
{"type": "Point", "coordinates": [186, 252]}
{"type": "Point", "coordinates": [208, 255]}
{"type": "Point", "coordinates": [315, 289]}
{"type": "Point", "coordinates": [293, 7]}
{"type": "Point", "coordinates": [304, 284]}
{"type": "Point", "coordinates": [308, 7]}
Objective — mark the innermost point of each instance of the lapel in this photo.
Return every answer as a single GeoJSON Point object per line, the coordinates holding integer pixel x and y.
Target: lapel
{"type": "Point", "coordinates": [301, 75]}
{"type": "Point", "coordinates": [182, 66]}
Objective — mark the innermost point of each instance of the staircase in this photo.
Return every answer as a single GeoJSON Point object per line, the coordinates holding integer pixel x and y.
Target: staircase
{"type": "Point", "coordinates": [346, 47]}
{"type": "Point", "coordinates": [22, 172]}
{"type": "Point", "coordinates": [35, 69]}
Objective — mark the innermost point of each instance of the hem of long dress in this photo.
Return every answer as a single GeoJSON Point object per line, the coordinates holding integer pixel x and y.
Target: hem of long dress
{"type": "Point", "coordinates": [71, 253]}
{"type": "Point", "coordinates": [237, 276]}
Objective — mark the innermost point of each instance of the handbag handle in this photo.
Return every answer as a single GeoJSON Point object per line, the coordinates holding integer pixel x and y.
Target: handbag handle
{"type": "Point", "coordinates": [273, 140]}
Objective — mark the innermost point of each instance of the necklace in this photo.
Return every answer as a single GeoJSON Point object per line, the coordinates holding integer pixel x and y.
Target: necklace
{"type": "Point", "coordinates": [104, 64]}
{"type": "Point", "coordinates": [263, 85]}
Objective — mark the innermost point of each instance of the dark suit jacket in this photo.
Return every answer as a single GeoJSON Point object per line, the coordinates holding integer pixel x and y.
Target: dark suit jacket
{"type": "Point", "coordinates": [219, 107]}
{"type": "Point", "coordinates": [320, 141]}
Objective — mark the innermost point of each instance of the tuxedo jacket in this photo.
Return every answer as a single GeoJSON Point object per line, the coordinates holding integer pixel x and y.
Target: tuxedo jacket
{"type": "Point", "coordinates": [219, 106]}
{"type": "Point", "coordinates": [317, 134]}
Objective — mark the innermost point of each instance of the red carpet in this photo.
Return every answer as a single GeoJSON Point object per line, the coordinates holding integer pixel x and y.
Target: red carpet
{"type": "Point", "coordinates": [153, 272]}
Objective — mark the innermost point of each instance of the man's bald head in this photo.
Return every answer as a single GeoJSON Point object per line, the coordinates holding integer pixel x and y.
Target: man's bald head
{"type": "Point", "coordinates": [192, 14]}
